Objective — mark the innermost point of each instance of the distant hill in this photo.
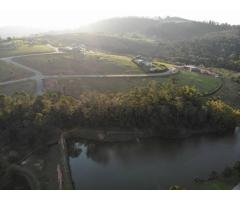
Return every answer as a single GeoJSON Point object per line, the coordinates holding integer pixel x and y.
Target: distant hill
{"type": "Point", "coordinates": [218, 49]}
{"type": "Point", "coordinates": [172, 38]}
{"type": "Point", "coordinates": [169, 29]}
{"type": "Point", "coordinates": [18, 31]}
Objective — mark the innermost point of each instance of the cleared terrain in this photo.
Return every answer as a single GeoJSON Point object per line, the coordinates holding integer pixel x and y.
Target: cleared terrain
{"type": "Point", "coordinates": [202, 82]}
{"type": "Point", "coordinates": [76, 63]}
{"type": "Point", "coordinates": [75, 86]}
{"type": "Point", "coordinates": [24, 86]}
{"type": "Point", "coordinates": [9, 72]}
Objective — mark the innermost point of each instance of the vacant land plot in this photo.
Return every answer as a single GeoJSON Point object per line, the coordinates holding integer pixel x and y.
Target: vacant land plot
{"type": "Point", "coordinates": [76, 86]}
{"type": "Point", "coordinates": [11, 72]}
{"type": "Point", "coordinates": [19, 47]}
{"type": "Point", "coordinates": [76, 63]}
{"type": "Point", "coordinates": [25, 86]}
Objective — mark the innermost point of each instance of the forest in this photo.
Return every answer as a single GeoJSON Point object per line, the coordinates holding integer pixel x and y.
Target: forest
{"type": "Point", "coordinates": [218, 50]}
{"type": "Point", "coordinates": [30, 120]}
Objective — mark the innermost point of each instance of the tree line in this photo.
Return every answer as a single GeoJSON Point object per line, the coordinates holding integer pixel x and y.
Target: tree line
{"type": "Point", "coordinates": [32, 120]}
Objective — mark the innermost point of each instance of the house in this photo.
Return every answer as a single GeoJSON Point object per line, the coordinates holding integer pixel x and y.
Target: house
{"type": "Point", "coordinates": [195, 69]}
{"type": "Point", "coordinates": [148, 64]}
{"type": "Point", "coordinates": [154, 70]}
{"type": "Point", "coordinates": [192, 68]}
{"type": "Point", "coordinates": [65, 49]}
{"type": "Point", "coordinates": [78, 49]}
{"type": "Point", "coordinates": [144, 63]}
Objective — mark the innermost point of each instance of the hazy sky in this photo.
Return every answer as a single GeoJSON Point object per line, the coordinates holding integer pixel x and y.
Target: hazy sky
{"type": "Point", "coordinates": [59, 14]}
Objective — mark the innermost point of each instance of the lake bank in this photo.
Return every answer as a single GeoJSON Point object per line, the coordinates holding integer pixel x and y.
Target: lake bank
{"type": "Point", "coordinates": [85, 150]}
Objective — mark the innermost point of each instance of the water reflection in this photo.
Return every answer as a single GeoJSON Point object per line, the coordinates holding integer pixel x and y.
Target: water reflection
{"type": "Point", "coordinates": [150, 164]}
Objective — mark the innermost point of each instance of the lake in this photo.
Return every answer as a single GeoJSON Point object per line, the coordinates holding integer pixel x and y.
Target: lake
{"type": "Point", "coordinates": [150, 163]}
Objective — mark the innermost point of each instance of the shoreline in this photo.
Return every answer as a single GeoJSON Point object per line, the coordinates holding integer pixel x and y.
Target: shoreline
{"type": "Point", "coordinates": [62, 176]}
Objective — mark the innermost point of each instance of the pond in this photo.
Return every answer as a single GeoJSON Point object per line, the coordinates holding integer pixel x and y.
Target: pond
{"type": "Point", "coordinates": [151, 163]}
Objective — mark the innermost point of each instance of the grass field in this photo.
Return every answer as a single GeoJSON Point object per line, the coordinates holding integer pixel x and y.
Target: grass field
{"type": "Point", "coordinates": [202, 82]}
{"type": "Point", "coordinates": [25, 86]}
{"type": "Point", "coordinates": [11, 72]}
{"type": "Point", "coordinates": [230, 93]}
{"type": "Point", "coordinates": [76, 86]}
{"type": "Point", "coordinates": [22, 48]}
{"type": "Point", "coordinates": [75, 63]}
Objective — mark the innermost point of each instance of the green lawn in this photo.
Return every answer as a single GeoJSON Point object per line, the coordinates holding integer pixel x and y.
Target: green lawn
{"type": "Point", "coordinates": [202, 82]}
{"type": "Point", "coordinates": [230, 93]}
{"type": "Point", "coordinates": [25, 86]}
{"type": "Point", "coordinates": [11, 72]}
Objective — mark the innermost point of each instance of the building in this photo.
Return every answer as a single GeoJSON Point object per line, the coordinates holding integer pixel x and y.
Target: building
{"type": "Point", "coordinates": [192, 68]}
{"type": "Point", "coordinates": [78, 49]}
{"type": "Point", "coordinates": [154, 70]}
{"type": "Point", "coordinates": [144, 63]}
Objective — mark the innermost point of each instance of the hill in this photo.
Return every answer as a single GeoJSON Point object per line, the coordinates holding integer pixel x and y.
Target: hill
{"type": "Point", "coordinates": [170, 29]}
{"type": "Point", "coordinates": [18, 31]}
{"type": "Point", "coordinates": [172, 39]}
{"type": "Point", "coordinates": [219, 49]}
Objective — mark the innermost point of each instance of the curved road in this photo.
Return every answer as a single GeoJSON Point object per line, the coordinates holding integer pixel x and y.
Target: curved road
{"type": "Point", "coordinates": [39, 77]}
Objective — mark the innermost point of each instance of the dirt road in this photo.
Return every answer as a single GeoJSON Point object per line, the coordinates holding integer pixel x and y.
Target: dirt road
{"type": "Point", "coordinates": [39, 77]}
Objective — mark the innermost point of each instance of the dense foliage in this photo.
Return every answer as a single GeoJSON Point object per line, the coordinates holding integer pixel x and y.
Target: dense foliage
{"type": "Point", "coordinates": [168, 108]}
{"type": "Point", "coordinates": [169, 29]}
{"type": "Point", "coordinates": [218, 50]}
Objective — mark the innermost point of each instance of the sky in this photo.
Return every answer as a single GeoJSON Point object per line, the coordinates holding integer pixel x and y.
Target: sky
{"type": "Point", "coordinates": [70, 14]}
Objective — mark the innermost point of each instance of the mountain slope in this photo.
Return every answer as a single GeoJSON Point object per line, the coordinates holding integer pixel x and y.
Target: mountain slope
{"type": "Point", "coordinates": [170, 29]}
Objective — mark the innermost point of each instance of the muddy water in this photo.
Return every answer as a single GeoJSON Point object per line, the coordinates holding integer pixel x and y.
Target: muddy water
{"type": "Point", "coordinates": [150, 164]}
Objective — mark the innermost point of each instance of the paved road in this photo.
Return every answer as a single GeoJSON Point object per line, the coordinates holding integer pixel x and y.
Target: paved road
{"type": "Point", "coordinates": [39, 77]}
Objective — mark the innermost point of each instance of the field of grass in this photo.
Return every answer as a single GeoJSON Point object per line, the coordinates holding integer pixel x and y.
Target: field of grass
{"type": "Point", "coordinates": [230, 93]}
{"type": "Point", "coordinates": [11, 72]}
{"type": "Point", "coordinates": [22, 48]}
{"type": "Point", "coordinates": [76, 86]}
{"type": "Point", "coordinates": [202, 82]}
{"type": "Point", "coordinates": [76, 63]}
{"type": "Point", "coordinates": [25, 86]}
